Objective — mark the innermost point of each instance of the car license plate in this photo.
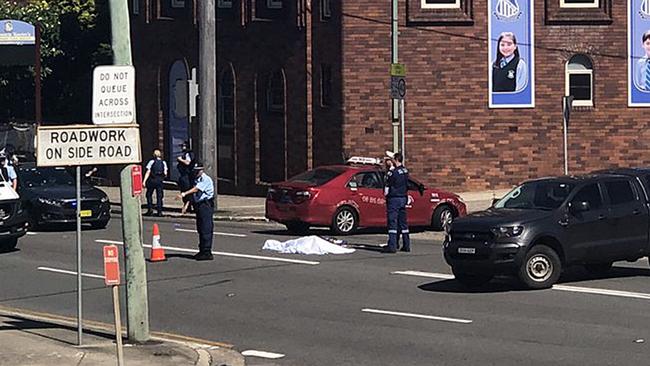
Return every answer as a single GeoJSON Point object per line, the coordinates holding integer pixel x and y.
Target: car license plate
{"type": "Point", "coordinates": [462, 250]}
{"type": "Point", "coordinates": [86, 213]}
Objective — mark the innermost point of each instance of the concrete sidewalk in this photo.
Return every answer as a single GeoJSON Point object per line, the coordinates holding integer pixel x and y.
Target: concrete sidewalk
{"type": "Point", "coordinates": [37, 339]}
{"type": "Point", "coordinates": [242, 208]}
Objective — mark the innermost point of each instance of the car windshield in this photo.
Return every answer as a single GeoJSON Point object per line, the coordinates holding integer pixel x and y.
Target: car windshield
{"type": "Point", "coordinates": [318, 176]}
{"type": "Point", "coordinates": [40, 177]}
{"type": "Point", "coordinates": [544, 195]}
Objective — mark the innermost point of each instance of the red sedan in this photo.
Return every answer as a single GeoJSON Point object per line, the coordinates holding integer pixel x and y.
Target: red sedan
{"type": "Point", "coordinates": [347, 197]}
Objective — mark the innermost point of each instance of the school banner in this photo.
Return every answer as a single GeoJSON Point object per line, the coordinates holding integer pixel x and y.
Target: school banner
{"type": "Point", "coordinates": [511, 54]}
{"type": "Point", "coordinates": [638, 53]}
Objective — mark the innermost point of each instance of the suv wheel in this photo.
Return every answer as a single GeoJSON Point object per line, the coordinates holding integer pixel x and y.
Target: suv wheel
{"type": "Point", "coordinates": [297, 227]}
{"type": "Point", "coordinates": [541, 268]}
{"type": "Point", "coordinates": [471, 279]}
{"type": "Point", "coordinates": [598, 268]}
{"type": "Point", "coordinates": [345, 221]}
{"type": "Point", "coordinates": [442, 218]}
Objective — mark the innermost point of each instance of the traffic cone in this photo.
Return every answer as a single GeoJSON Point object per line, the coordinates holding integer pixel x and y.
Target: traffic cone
{"type": "Point", "coordinates": [157, 251]}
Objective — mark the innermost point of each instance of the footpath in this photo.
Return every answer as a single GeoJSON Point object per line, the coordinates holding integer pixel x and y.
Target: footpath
{"type": "Point", "coordinates": [37, 339]}
{"type": "Point", "coordinates": [243, 208]}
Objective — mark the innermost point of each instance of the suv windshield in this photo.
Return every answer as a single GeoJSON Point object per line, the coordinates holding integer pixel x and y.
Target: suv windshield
{"type": "Point", "coordinates": [545, 195]}
{"type": "Point", "coordinates": [318, 176]}
{"type": "Point", "coordinates": [41, 177]}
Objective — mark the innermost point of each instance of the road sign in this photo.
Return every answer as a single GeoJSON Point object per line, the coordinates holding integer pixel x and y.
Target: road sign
{"type": "Point", "coordinates": [73, 145]}
{"type": "Point", "coordinates": [397, 70]}
{"type": "Point", "coordinates": [111, 265]}
{"type": "Point", "coordinates": [397, 87]}
{"type": "Point", "coordinates": [113, 94]}
{"type": "Point", "coordinates": [136, 180]}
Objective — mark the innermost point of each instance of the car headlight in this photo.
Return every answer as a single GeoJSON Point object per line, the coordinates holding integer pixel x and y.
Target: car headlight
{"type": "Point", "coordinates": [47, 201]}
{"type": "Point", "coordinates": [507, 231]}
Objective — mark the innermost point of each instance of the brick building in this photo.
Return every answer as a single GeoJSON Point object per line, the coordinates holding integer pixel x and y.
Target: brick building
{"type": "Point", "coordinates": [303, 83]}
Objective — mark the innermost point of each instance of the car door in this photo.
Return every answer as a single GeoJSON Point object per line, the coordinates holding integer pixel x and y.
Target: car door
{"type": "Point", "coordinates": [418, 209]}
{"type": "Point", "coordinates": [369, 197]}
{"type": "Point", "coordinates": [586, 231]}
{"type": "Point", "coordinates": [626, 217]}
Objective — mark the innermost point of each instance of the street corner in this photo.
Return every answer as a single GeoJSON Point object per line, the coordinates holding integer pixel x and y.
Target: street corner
{"type": "Point", "coordinates": [218, 356]}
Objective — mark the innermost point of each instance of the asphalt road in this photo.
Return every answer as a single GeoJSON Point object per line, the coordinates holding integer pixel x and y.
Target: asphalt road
{"type": "Point", "coordinates": [364, 308]}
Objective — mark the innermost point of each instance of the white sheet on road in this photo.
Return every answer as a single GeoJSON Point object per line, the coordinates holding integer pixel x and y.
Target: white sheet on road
{"type": "Point", "coordinates": [306, 245]}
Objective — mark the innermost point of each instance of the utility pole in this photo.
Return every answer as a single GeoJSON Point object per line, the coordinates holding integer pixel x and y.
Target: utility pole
{"type": "Point", "coordinates": [394, 33]}
{"type": "Point", "coordinates": [208, 89]}
{"type": "Point", "coordinates": [137, 304]}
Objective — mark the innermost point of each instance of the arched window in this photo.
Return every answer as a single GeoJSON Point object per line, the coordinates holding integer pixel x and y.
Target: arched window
{"type": "Point", "coordinates": [580, 80]}
{"type": "Point", "coordinates": [275, 92]}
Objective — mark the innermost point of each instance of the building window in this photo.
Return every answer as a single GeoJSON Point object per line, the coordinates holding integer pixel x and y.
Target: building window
{"type": "Point", "coordinates": [580, 80]}
{"type": "Point", "coordinates": [178, 4]}
{"type": "Point", "coordinates": [579, 3]}
{"type": "Point", "coordinates": [325, 85]}
{"type": "Point", "coordinates": [440, 4]}
{"type": "Point", "coordinates": [325, 9]}
{"type": "Point", "coordinates": [275, 93]}
{"type": "Point", "coordinates": [224, 4]}
{"type": "Point", "coordinates": [226, 95]}
{"type": "Point", "coordinates": [274, 4]}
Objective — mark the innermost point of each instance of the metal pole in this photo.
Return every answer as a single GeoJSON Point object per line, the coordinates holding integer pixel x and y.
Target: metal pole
{"type": "Point", "coordinates": [566, 148]}
{"type": "Point", "coordinates": [401, 110]}
{"type": "Point", "coordinates": [394, 32]}
{"type": "Point", "coordinates": [137, 303]}
{"type": "Point", "coordinates": [79, 288]}
{"type": "Point", "coordinates": [208, 88]}
{"type": "Point", "coordinates": [118, 325]}
{"type": "Point", "coordinates": [38, 103]}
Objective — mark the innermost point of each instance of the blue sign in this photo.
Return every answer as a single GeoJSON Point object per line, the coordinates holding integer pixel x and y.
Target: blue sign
{"type": "Point", "coordinates": [15, 32]}
{"type": "Point", "coordinates": [638, 50]}
{"type": "Point", "coordinates": [511, 54]}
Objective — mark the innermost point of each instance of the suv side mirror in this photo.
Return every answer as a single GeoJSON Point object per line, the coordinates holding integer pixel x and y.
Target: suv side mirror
{"type": "Point", "coordinates": [577, 207]}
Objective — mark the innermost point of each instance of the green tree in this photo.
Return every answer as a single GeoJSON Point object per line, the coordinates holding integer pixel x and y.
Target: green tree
{"type": "Point", "coordinates": [75, 37]}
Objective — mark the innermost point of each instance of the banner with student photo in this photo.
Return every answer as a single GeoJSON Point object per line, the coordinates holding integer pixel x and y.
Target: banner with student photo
{"type": "Point", "coordinates": [511, 54]}
{"type": "Point", "coordinates": [638, 53]}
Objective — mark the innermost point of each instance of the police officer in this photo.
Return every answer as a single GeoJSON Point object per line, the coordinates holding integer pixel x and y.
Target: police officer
{"type": "Point", "coordinates": [396, 192]}
{"type": "Point", "coordinates": [153, 180]}
{"type": "Point", "coordinates": [185, 166]}
{"type": "Point", "coordinates": [203, 192]}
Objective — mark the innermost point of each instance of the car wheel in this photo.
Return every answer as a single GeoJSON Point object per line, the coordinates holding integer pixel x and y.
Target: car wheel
{"type": "Point", "coordinates": [297, 227]}
{"type": "Point", "coordinates": [99, 224]}
{"type": "Point", "coordinates": [8, 245]}
{"type": "Point", "coordinates": [442, 218]}
{"type": "Point", "coordinates": [541, 268]}
{"type": "Point", "coordinates": [598, 268]}
{"type": "Point", "coordinates": [471, 279]}
{"type": "Point", "coordinates": [345, 221]}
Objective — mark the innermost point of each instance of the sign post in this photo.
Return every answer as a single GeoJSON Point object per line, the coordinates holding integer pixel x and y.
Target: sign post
{"type": "Point", "coordinates": [112, 278]}
{"type": "Point", "coordinates": [567, 104]}
{"type": "Point", "coordinates": [398, 92]}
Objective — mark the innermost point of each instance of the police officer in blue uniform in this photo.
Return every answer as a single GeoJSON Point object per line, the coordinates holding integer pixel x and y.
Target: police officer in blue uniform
{"type": "Point", "coordinates": [203, 192]}
{"type": "Point", "coordinates": [185, 166]}
{"type": "Point", "coordinates": [396, 192]}
{"type": "Point", "coordinates": [153, 180]}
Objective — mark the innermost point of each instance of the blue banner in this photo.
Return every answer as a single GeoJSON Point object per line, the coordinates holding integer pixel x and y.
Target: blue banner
{"type": "Point", "coordinates": [638, 50]}
{"type": "Point", "coordinates": [511, 54]}
{"type": "Point", "coordinates": [15, 32]}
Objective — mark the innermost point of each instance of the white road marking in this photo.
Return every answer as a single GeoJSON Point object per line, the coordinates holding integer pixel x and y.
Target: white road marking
{"type": "Point", "coordinates": [262, 354]}
{"type": "Point", "coordinates": [215, 233]}
{"type": "Point", "coordinates": [31, 233]}
{"type": "Point", "coordinates": [225, 254]}
{"type": "Point", "coordinates": [56, 270]}
{"type": "Point", "coordinates": [420, 316]}
{"type": "Point", "coordinates": [584, 290]}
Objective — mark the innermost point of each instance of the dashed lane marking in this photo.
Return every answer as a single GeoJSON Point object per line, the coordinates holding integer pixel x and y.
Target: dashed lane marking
{"type": "Point", "coordinates": [420, 316]}
{"type": "Point", "coordinates": [225, 254]}
{"type": "Point", "coordinates": [584, 290]}
{"type": "Point", "coordinates": [262, 354]}
{"type": "Point", "coordinates": [63, 271]}
{"type": "Point", "coordinates": [215, 233]}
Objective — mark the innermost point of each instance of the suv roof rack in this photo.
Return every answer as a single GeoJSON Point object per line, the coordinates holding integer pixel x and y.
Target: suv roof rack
{"type": "Point", "coordinates": [363, 160]}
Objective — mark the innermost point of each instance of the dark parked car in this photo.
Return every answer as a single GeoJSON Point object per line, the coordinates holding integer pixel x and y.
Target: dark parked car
{"type": "Point", "coordinates": [13, 219]}
{"type": "Point", "coordinates": [544, 225]}
{"type": "Point", "coordinates": [49, 196]}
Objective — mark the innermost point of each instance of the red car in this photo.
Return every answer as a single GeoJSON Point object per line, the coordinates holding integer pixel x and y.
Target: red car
{"type": "Point", "coordinates": [347, 197]}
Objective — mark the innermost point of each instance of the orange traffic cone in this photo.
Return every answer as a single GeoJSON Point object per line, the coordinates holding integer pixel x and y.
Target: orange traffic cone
{"type": "Point", "coordinates": [157, 251]}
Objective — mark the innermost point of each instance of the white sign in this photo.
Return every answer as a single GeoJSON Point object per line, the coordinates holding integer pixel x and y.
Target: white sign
{"type": "Point", "coordinates": [113, 94]}
{"type": "Point", "coordinates": [87, 145]}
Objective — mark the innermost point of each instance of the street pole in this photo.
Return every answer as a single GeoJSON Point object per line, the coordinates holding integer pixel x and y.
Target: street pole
{"type": "Point", "coordinates": [567, 104]}
{"type": "Point", "coordinates": [208, 89]}
{"type": "Point", "coordinates": [394, 32]}
{"type": "Point", "coordinates": [79, 286]}
{"type": "Point", "coordinates": [137, 306]}
{"type": "Point", "coordinates": [403, 148]}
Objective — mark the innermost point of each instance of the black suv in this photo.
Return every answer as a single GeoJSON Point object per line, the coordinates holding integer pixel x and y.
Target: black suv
{"type": "Point", "coordinates": [546, 224]}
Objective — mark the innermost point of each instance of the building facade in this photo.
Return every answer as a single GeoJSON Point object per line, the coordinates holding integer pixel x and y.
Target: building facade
{"type": "Point", "coordinates": [303, 83]}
